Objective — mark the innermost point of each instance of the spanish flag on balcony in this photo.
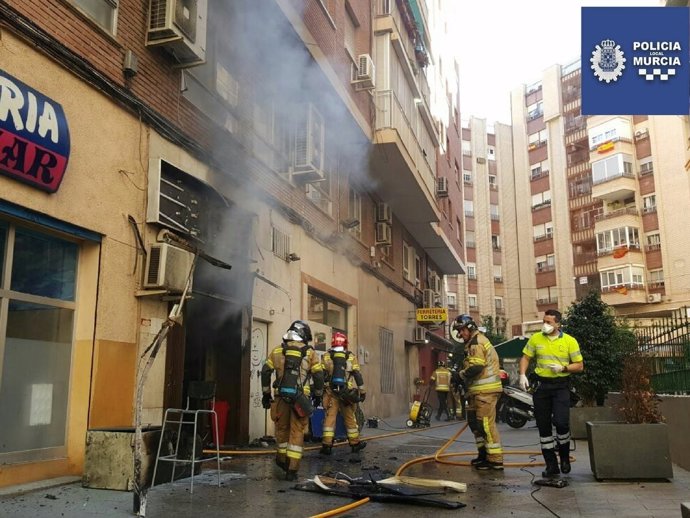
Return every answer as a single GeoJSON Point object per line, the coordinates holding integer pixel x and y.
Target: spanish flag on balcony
{"type": "Point", "coordinates": [605, 147]}
{"type": "Point", "coordinates": [620, 252]}
{"type": "Point", "coordinates": [622, 290]}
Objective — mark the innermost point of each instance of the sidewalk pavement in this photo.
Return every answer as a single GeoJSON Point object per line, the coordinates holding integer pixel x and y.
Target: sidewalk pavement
{"type": "Point", "coordinates": [249, 485]}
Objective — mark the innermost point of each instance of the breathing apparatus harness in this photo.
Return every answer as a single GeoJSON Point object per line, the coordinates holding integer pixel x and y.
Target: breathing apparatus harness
{"type": "Point", "coordinates": [340, 378]}
{"type": "Point", "coordinates": [291, 386]}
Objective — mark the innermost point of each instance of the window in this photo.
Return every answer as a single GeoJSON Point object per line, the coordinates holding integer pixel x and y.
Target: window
{"type": "Point", "coordinates": [471, 271]}
{"type": "Point", "coordinates": [496, 242]}
{"type": "Point", "coordinates": [458, 229]}
{"type": "Point", "coordinates": [408, 262]}
{"type": "Point", "coordinates": [498, 273]}
{"type": "Point", "coordinates": [535, 110]}
{"type": "Point", "coordinates": [546, 263]}
{"type": "Point", "coordinates": [656, 277]}
{"type": "Point", "coordinates": [612, 129]}
{"type": "Point", "coordinates": [541, 199]}
{"type": "Point", "coordinates": [36, 337]}
{"type": "Point", "coordinates": [469, 239]}
{"type": "Point", "coordinates": [467, 176]}
{"type": "Point", "coordinates": [327, 310]}
{"type": "Point", "coordinates": [452, 299]}
{"type": "Point", "coordinates": [498, 304]}
{"type": "Point", "coordinates": [543, 231]}
{"type": "Point", "coordinates": [616, 238]}
{"type": "Point", "coordinates": [350, 30]}
{"type": "Point", "coordinates": [536, 139]}
{"type": "Point", "coordinates": [627, 276]}
{"type": "Point", "coordinates": [103, 12]}
{"type": "Point", "coordinates": [466, 148]}
{"type": "Point", "coordinates": [491, 153]}
{"type": "Point", "coordinates": [539, 170]}
{"type": "Point", "coordinates": [472, 301]}
{"type": "Point", "coordinates": [646, 167]}
{"type": "Point", "coordinates": [649, 203]}
{"type": "Point", "coordinates": [469, 208]}
{"type": "Point", "coordinates": [495, 214]}
{"type": "Point", "coordinates": [493, 183]}
{"type": "Point", "coordinates": [456, 171]}
{"type": "Point", "coordinates": [653, 241]}
{"type": "Point", "coordinates": [417, 271]}
{"type": "Point", "coordinates": [612, 167]}
{"type": "Point", "coordinates": [355, 212]}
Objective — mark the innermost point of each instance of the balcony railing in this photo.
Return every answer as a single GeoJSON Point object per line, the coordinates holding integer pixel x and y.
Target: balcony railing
{"type": "Point", "coordinates": [541, 205]}
{"type": "Point", "coordinates": [495, 217]}
{"type": "Point", "coordinates": [628, 211]}
{"type": "Point", "coordinates": [545, 268]}
{"type": "Point", "coordinates": [623, 287]}
{"type": "Point", "coordinates": [645, 172]}
{"type": "Point", "coordinates": [543, 237]}
{"type": "Point", "coordinates": [470, 244]}
{"type": "Point", "coordinates": [390, 114]}
{"type": "Point", "coordinates": [534, 115]}
{"type": "Point", "coordinates": [594, 147]}
{"type": "Point", "coordinates": [540, 174]}
{"type": "Point", "coordinates": [498, 279]}
{"type": "Point", "coordinates": [649, 210]}
{"type": "Point", "coordinates": [656, 284]}
{"type": "Point", "coordinates": [472, 276]}
{"type": "Point", "coordinates": [469, 213]}
{"type": "Point", "coordinates": [653, 247]}
{"type": "Point", "coordinates": [634, 247]}
{"type": "Point", "coordinates": [615, 176]}
{"type": "Point", "coordinates": [550, 300]}
{"type": "Point", "coordinates": [535, 145]}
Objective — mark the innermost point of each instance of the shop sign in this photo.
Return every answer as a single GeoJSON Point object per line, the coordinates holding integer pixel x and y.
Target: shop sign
{"type": "Point", "coordinates": [432, 314]}
{"type": "Point", "coordinates": [34, 137]}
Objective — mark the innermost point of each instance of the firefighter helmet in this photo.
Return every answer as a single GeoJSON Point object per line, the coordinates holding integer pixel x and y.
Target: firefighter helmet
{"type": "Point", "coordinates": [292, 336]}
{"type": "Point", "coordinates": [441, 363]}
{"type": "Point", "coordinates": [302, 329]}
{"type": "Point", "coordinates": [339, 340]}
{"type": "Point", "coordinates": [464, 321]}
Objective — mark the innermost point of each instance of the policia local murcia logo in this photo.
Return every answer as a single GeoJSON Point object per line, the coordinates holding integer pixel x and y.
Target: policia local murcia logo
{"type": "Point", "coordinates": [608, 61]}
{"type": "Point", "coordinates": [656, 59]}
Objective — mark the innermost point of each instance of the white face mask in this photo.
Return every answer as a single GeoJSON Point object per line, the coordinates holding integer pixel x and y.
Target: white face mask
{"type": "Point", "coordinates": [547, 329]}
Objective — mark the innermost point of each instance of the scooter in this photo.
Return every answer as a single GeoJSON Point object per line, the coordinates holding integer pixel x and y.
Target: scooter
{"type": "Point", "coordinates": [515, 407]}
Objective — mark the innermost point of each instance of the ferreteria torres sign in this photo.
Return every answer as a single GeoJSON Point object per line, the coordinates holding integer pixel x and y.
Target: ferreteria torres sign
{"type": "Point", "coordinates": [34, 136]}
{"type": "Point", "coordinates": [432, 314]}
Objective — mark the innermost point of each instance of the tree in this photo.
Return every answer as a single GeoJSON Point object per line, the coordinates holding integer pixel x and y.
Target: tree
{"type": "Point", "coordinates": [604, 343]}
{"type": "Point", "coordinates": [495, 329]}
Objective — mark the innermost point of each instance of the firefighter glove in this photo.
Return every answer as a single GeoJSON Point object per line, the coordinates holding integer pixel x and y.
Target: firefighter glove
{"type": "Point", "coordinates": [523, 383]}
{"type": "Point", "coordinates": [556, 367]}
{"type": "Point", "coordinates": [362, 396]}
{"type": "Point", "coordinates": [266, 400]}
{"type": "Point", "coordinates": [316, 401]}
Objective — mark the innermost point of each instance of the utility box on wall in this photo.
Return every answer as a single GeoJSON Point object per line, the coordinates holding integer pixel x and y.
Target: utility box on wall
{"type": "Point", "coordinates": [109, 459]}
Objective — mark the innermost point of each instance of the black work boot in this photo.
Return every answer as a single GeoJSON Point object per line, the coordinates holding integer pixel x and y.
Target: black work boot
{"type": "Point", "coordinates": [480, 458]}
{"type": "Point", "coordinates": [487, 465]}
{"type": "Point", "coordinates": [564, 454]}
{"type": "Point", "coordinates": [551, 464]}
{"type": "Point", "coordinates": [282, 463]}
{"type": "Point", "coordinates": [359, 446]}
{"type": "Point", "coordinates": [326, 449]}
{"type": "Point", "coordinates": [291, 475]}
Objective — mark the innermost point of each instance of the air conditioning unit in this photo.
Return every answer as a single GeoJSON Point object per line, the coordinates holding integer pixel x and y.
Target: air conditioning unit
{"type": "Point", "coordinates": [654, 298]}
{"type": "Point", "coordinates": [442, 187]}
{"type": "Point", "coordinates": [384, 213]}
{"type": "Point", "coordinates": [363, 75]}
{"type": "Point", "coordinates": [428, 298]}
{"type": "Point", "coordinates": [640, 134]}
{"type": "Point", "coordinates": [309, 145]}
{"type": "Point", "coordinates": [481, 160]}
{"type": "Point", "coordinates": [420, 334]}
{"type": "Point", "coordinates": [179, 26]}
{"type": "Point", "coordinates": [383, 234]}
{"type": "Point", "coordinates": [167, 267]}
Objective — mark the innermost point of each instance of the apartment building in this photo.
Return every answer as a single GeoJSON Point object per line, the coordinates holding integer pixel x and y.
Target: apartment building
{"type": "Point", "coordinates": [292, 140]}
{"type": "Point", "coordinates": [605, 193]}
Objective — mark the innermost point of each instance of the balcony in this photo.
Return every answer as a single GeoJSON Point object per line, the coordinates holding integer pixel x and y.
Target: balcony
{"type": "Point", "coordinates": [535, 175]}
{"type": "Point", "coordinates": [626, 217]}
{"type": "Point", "coordinates": [404, 170]}
{"type": "Point", "coordinates": [624, 294]}
{"type": "Point", "coordinates": [618, 257]}
{"type": "Point", "coordinates": [618, 186]}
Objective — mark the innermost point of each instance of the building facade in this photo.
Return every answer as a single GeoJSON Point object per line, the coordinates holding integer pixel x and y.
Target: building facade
{"type": "Point", "coordinates": [292, 140]}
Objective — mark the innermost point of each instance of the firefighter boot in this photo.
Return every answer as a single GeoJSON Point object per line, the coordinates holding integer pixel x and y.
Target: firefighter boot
{"type": "Point", "coordinates": [480, 458]}
{"type": "Point", "coordinates": [359, 446]}
{"type": "Point", "coordinates": [282, 463]}
{"type": "Point", "coordinates": [291, 475]}
{"type": "Point", "coordinates": [326, 449]}
{"type": "Point", "coordinates": [564, 454]}
{"type": "Point", "coordinates": [551, 463]}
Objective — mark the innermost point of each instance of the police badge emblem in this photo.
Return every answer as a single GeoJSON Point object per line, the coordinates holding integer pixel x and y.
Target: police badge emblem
{"type": "Point", "coordinates": [608, 61]}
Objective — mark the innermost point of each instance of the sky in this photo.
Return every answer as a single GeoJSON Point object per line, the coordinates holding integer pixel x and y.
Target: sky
{"type": "Point", "coordinates": [505, 43]}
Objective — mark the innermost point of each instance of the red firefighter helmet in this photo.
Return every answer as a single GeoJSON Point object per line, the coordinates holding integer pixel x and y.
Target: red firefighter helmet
{"type": "Point", "coordinates": [339, 340]}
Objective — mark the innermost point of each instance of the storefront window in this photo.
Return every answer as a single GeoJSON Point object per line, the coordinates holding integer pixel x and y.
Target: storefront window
{"type": "Point", "coordinates": [36, 331]}
{"type": "Point", "coordinates": [327, 311]}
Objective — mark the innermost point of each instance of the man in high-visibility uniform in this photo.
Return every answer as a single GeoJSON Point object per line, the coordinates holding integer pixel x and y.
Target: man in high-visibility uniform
{"type": "Point", "coordinates": [344, 389]}
{"type": "Point", "coordinates": [480, 372]}
{"type": "Point", "coordinates": [295, 363]}
{"type": "Point", "coordinates": [441, 378]}
{"type": "Point", "coordinates": [557, 355]}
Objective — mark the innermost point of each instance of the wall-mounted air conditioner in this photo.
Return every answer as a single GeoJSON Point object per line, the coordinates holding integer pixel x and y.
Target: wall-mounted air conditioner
{"type": "Point", "coordinates": [653, 298]}
{"type": "Point", "coordinates": [383, 234]}
{"type": "Point", "coordinates": [309, 145]}
{"type": "Point", "coordinates": [442, 187]}
{"type": "Point", "coordinates": [384, 213]}
{"type": "Point", "coordinates": [641, 134]}
{"type": "Point", "coordinates": [167, 267]}
{"type": "Point", "coordinates": [420, 334]}
{"type": "Point", "coordinates": [428, 298]}
{"type": "Point", "coordinates": [179, 26]}
{"type": "Point", "coordinates": [363, 74]}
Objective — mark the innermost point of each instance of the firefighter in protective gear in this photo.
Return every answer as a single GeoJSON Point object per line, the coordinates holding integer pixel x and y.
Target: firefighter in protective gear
{"type": "Point", "coordinates": [441, 378]}
{"type": "Point", "coordinates": [557, 355]}
{"type": "Point", "coordinates": [295, 363]}
{"type": "Point", "coordinates": [344, 389]}
{"type": "Point", "coordinates": [481, 374]}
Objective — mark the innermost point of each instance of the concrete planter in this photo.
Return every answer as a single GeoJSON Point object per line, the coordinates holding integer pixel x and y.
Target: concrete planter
{"type": "Point", "coordinates": [629, 451]}
{"type": "Point", "coordinates": [580, 415]}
